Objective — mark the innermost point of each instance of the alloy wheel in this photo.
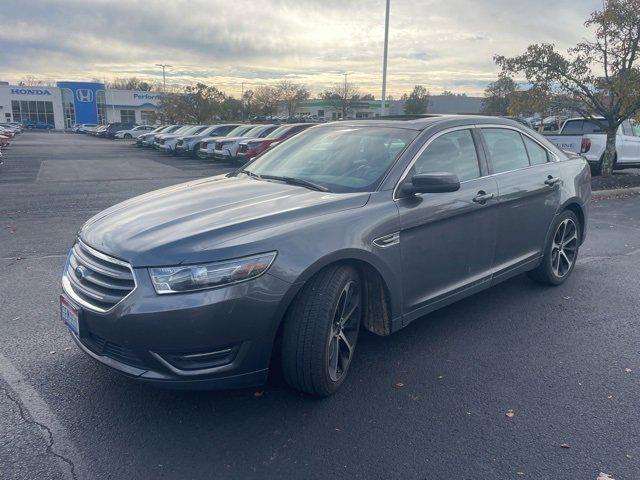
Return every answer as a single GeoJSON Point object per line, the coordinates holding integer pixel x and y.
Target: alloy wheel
{"type": "Point", "coordinates": [344, 331]}
{"type": "Point", "coordinates": [564, 248]}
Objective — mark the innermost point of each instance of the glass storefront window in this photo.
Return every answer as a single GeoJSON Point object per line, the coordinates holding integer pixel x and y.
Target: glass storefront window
{"type": "Point", "coordinates": [33, 111]}
{"type": "Point", "coordinates": [101, 104]}
{"type": "Point", "coordinates": [128, 116]}
{"type": "Point", "coordinates": [69, 108]}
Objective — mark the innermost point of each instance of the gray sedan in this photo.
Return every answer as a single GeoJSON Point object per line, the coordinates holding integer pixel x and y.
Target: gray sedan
{"type": "Point", "coordinates": [349, 225]}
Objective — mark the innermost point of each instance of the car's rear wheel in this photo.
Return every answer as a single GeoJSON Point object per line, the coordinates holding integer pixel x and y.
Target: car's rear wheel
{"type": "Point", "coordinates": [321, 331]}
{"type": "Point", "coordinates": [200, 155]}
{"type": "Point", "coordinates": [128, 136]}
{"type": "Point", "coordinates": [561, 251]}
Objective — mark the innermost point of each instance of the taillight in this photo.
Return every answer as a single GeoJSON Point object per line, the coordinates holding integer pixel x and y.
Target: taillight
{"type": "Point", "coordinates": [586, 145]}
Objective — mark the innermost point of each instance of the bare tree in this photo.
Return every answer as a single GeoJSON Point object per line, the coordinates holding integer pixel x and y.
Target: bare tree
{"type": "Point", "coordinates": [32, 81]}
{"type": "Point", "coordinates": [291, 93]}
{"type": "Point", "coordinates": [342, 96]}
{"type": "Point", "coordinates": [267, 98]}
{"type": "Point", "coordinates": [132, 83]}
{"type": "Point", "coordinates": [612, 91]}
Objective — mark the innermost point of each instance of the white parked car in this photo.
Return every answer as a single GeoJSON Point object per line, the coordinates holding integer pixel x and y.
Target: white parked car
{"type": "Point", "coordinates": [586, 137]}
{"type": "Point", "coordinates": [135, 132]}
{"type": "Point", "coordinates": [226, 149]}
{"type": "Point", "coordinates": [206, 146]}
{"type": "Point", "coordinates": [166, 142]}
{"type": "Point", "coordinates": [189, 144]}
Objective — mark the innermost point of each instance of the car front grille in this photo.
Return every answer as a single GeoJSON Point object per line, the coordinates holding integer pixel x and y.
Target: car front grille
{"type": "Point", "coordinates": [219, 145]}
{"type": "Point", "coordinates": [179, 143]}
{"type": "Point", "coordinates": [95, 280]}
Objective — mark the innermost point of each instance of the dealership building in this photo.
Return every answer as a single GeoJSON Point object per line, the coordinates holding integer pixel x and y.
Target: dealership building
{"type": "Point", "coordinates": [76, 102]}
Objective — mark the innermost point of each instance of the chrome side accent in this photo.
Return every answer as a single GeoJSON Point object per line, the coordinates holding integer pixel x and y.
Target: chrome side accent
{"type": "Point", "coordinates": [387, 240]}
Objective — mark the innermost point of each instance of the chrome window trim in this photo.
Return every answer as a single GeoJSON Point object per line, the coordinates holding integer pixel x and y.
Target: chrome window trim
{"type": "Point", "coordinates": [522, 132]}
{"type": "Point", "coordinates": [68, 289]}
{"type": "Point", "coordinates": [425, 146]}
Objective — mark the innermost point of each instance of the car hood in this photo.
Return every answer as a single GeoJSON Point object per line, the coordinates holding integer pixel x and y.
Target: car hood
{"type": "Point", "coordinates": [196, 221]}
{"type": "Point", "coordinates": [188, 138]}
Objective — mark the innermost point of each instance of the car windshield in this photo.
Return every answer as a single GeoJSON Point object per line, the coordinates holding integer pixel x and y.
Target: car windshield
{"type": "Point", "coordinates": [340, 159]}
{"type": "Point", "coordinates": [194, 130]}
{"type": "Point", "coordinates": [210, 129]}
{"type": "Point", "coordinates": [280, 131]}
{"type": "Point", "coordinates": [259, 132]}
{"type": "Point", "coordinates": [239, 131]}
{"type": "Point", "coordinates": [181, 130]}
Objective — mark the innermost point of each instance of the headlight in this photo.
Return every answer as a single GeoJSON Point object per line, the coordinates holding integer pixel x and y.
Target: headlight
{"type": "Point", "coordinates": [187, 278]}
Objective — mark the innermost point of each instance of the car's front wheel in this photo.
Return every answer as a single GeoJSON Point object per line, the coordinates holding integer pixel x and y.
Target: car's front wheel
{"type": "Point", "coordinates": [321, 331]}
{"type": "Point", "coordinates": [128, 136]}
{"type": "Point", "coordinates": [561, 251]}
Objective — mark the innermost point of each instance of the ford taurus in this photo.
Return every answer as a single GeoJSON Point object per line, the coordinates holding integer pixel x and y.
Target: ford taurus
{"type": "Point", "coordinates": [346, 226]}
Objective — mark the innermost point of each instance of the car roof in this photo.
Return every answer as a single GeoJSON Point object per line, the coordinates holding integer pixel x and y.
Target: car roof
{"type": "Point", "coordinates": [422, 122]}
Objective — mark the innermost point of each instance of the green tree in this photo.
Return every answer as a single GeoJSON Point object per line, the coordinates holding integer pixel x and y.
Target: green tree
{"type": "Point", "coordinates": [497, 96]}
{"type": "Point", "coordinates": [601, 75]}
{"type": "Point", "coordinates": [417, 102]}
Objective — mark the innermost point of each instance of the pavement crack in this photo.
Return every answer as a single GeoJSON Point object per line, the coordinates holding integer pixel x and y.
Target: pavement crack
{"type": "Point", "coordinates": [27, 419]}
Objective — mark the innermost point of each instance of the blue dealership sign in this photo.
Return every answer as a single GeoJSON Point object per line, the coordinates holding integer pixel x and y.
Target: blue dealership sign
{"type": "Point", "coordinates": [85, 96]}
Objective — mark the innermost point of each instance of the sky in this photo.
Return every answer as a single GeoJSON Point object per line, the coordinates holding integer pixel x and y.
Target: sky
{"type": "Point", "coordinates": [441, 44]}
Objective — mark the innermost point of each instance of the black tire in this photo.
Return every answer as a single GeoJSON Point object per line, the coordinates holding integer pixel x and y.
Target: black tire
{"type": "Point", "coordinates": [560, 254]}
{"type": "Point", "coordinates": [128, 136]}
{"type": "Point", "coordinates": [310, 334]}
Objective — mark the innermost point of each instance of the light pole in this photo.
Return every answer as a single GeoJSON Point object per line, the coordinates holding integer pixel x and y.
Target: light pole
{"type": "Point", "coordinates": [384, 61]}
{"type": "Point", "coordinates": [346, 97]}
{"type": "Point", "coordinates": [164, 79]}
{"type": "Point", "coordinates": [242, 101]}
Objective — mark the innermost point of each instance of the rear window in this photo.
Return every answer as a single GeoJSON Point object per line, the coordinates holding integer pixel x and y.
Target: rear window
{"type": "Point", "coordinates": [581, 127]}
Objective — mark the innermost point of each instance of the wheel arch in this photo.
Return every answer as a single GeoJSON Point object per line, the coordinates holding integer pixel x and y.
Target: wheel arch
{"type": "Point", "coordinates": [381, 295]}
{"type": "Point", "coordinates": [576, 207]}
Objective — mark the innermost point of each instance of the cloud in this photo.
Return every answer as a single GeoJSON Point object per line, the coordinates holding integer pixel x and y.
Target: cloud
{"type": "Point", "coordinates": [435, 43]}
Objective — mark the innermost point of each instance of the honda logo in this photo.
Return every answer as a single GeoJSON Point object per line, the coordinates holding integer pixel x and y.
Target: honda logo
{"type": "Point", "coordinates": [84, 95]}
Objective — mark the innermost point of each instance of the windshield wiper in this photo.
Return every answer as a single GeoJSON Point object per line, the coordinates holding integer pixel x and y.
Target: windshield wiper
{"type": "Point", "coordinates": [296, 181]}
{"type": "Point", "coordinates": [247, 172]}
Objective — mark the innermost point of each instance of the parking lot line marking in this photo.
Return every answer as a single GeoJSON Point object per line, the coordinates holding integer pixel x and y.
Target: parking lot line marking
{"type": "Point", "coordinates": [54, 434]}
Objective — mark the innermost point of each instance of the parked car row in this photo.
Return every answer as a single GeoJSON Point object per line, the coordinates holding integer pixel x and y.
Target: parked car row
{"type": "Point", "coordinates": [223, 142]}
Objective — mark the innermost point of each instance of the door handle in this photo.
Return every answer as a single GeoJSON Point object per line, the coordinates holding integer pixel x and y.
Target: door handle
{"type": "Point", "coordinates": [551, 181]}
{"type": "Point", "coordinates": [483, 197]}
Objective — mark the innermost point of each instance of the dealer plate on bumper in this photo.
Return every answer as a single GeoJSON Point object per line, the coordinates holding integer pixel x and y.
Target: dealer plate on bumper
{"type": "Point", "coordinates": [70, 315]}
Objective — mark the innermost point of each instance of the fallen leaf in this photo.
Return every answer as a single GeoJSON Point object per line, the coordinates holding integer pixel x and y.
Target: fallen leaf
{"type": "Point", "coordinates": [440, 377]}
{"type": "Point", "coordinates": [52, 352]}
{"type": "Point", "coordinates": [510, 413]}
{"type": "Point", "coordinates": [604, 476]}
{"type": "Point", "coordinates": [565, 445]}
{"type": "Point", "coordinates": [399, 385]}
{"type": "Point", "coordinates": [628, 370]}
{"type": "Point", "coordinates": [610, 397]}
{"type": "Point", "coordinates": [519, 473]}
{"type": "Point", "coordinates": [66, 349]}
{"type": "Point", "coordinates": [259, 393]}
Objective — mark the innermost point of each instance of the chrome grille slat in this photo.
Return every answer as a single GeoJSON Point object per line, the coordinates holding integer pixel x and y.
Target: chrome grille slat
{"type": "Point", "coordinates": [100, 267]}
{"type": "Point", "coordinates": [95, 280]}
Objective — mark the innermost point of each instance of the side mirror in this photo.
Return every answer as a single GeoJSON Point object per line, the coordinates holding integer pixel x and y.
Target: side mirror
{"type": "Point", "coordinates": [432, 183]}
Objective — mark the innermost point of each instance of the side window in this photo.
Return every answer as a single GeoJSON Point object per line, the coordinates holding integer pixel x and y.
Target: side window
{"type": "Point", "coordinates": [453, 152]}
{"type": "Point", "coordinates": [506, 149]}
{"type": "Point", "coordinates": [627, 129]}
{"type": "Point", "coordinates": [537, 154]}
{"type": "Point", "coordinates": [573, 127]}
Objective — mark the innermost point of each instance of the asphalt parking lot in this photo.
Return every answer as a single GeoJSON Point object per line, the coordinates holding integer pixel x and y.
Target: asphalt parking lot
{"type": "Point", "coordinates": [429, 402]}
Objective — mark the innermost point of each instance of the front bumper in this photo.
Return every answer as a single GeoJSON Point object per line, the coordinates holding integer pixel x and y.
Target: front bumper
{"type": "Point", "coordinates": [170, 339]}
{"type": "Point", "coordinates": [222, 155]}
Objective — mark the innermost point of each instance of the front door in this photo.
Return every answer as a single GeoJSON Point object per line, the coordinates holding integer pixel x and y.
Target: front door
{"type": "Point", "coordinates": [529, 196]}
{"type": "Point", "coordinates": [447, 240]}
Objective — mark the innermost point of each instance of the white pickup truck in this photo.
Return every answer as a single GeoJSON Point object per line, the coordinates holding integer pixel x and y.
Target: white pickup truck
{"type": "Point", "coordinates": [586, 138]}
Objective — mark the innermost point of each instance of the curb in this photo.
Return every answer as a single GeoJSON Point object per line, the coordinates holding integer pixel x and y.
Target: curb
{"type": "Point", "coordinates": [603, 194]}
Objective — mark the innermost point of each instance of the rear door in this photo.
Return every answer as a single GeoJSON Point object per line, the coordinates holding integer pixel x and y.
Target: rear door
{"type": "Point", "coordinates": [631, 144]}
{"type": "Point", "coordinates": [529, 196]}
{"type": "Point", "coordinates": [447, 240]}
